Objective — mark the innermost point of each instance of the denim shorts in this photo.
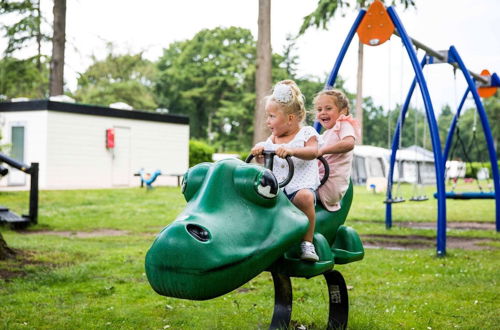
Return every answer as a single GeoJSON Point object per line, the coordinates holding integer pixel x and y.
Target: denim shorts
{"type": "Point", "coordinates": [292, 195]}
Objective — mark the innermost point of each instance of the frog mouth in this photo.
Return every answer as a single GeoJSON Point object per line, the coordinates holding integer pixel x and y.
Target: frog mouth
{"type": "Point", "coordinates": [194, 271]}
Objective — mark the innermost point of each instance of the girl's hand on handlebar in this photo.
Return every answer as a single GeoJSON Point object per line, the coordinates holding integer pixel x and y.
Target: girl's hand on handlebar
{"type": "Point", "coordinates": [283, 152]}
{"type": "Point", "coordinates": [257, 150]}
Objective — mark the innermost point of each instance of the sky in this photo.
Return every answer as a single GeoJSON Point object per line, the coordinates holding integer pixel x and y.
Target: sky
{"type": "Point", "coordinates": [149, 26]}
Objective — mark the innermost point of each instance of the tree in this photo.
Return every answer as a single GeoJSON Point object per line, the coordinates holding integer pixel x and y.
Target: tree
{"type": "Point", "coordinates": [25, 31]}
{"type": "Point", "coordinates": [211, 78]}
{"type": "Point", "coordinates": [213, 71]}
{"type": "Point", "coordinates": [324, 12]}
{"type": "Point", "coordinates": [492, 106]}
{"type": "Point", "coordinates": [263, 75]}
{"type": "Point", "coordinates": [118, 78]}
{"type": "Point", "coordinates": [5, 251]}
{"type": "Point", "coordinates": [23, 78]}
{"type": "Point", "coordinates": [444, 121]}
{"type": "Point", "coordinates": [474, 148]}
{"type": "Point", "coordinates": [375, 120]}
{"type": "Point", "coordinates": [58, 46]}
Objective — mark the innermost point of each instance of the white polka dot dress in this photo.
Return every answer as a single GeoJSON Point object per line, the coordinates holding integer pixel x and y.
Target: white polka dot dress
{"type": "Point", "coordinates": [306, 171]}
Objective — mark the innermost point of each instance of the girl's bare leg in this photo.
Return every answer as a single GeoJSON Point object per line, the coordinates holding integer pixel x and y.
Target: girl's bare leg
{"type": "Point", "coordinates": [304, 200]}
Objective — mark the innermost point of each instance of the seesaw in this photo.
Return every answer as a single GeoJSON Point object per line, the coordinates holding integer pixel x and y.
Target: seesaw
{"type": "Point", "coordinates": [238, 223]}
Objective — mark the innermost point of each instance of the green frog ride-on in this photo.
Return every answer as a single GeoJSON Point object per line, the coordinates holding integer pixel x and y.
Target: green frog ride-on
{"type": "Point", "coordinates": [238, 223]}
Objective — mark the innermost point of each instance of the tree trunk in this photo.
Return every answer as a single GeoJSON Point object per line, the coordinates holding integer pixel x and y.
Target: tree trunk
{"type": "Point", "coordinates": [39, 38]}
{"type": "Point", "coordinates": [58, 45]}
{"type": "Point", "coordinates": [359, 91]}
{"type": "Point", "coordinates": [263, 78]}
{"type": "Point", "coordinates": [5, 251]}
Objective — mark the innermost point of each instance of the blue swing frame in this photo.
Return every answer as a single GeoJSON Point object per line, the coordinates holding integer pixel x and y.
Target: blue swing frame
{"type": "Point", "coordinates": [431, 121]}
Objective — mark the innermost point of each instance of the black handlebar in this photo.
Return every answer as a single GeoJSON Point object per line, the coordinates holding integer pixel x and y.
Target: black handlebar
{"type": "Point", "coordinates": [269, 161]}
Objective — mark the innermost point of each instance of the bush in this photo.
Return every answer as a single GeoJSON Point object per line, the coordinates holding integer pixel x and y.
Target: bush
{"type": "Point", "coordinates": [244, 155]}
{"type": "Point", "coordinates": [472, 168]}
{"type": "Point", "coordinates": [199, 152]}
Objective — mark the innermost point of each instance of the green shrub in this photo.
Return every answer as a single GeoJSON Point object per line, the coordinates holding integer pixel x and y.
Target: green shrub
{"type": "Point", "coordinates": [199, 152]}
{"type": "Point", "coordinates": [472, 168]}
{"type": "Point", "coordinates": [244, 155]}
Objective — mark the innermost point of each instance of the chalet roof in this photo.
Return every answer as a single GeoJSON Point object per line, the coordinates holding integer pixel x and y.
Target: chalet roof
{"type": "Point", "coordinates": [93, 110]}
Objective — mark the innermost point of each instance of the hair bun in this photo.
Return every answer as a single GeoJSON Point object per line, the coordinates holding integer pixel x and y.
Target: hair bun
{"type": "Point", "coordinates": [282, 93]}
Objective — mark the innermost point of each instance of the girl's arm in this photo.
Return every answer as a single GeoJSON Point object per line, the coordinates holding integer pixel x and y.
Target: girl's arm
{"type": "Point", "coordinates": [308, 152]}
{"type": "Point", "coordinates": [345, 145]}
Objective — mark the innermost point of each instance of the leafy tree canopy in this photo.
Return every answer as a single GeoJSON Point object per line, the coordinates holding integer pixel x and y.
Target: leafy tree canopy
{"type": "Point", "coordinates": [118, 78]}
{"type": "Point", "coordinates": [23, 78]}
{"type": "Point", "coordinates": [26, 30]}
{"type": "Point", "coordinates": [211, 78]}
{"type": "Point", "coordinates": [474, 147]}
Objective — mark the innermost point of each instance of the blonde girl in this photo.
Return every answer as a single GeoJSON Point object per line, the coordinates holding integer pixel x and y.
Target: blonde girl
{"type": "Point", "coordinates": [285, 113]}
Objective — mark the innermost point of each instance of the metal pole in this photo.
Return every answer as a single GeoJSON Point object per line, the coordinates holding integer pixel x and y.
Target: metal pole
{"type": "Point", "coordinates": [487, 132]}
{"type": "Point", "coordinates": [33, 213]}
{"type": "Point", "coordinates": [441, 57]}
{"type": "Point", "coordinates": [431, 119]}
{"type": "Point", "coordinates": [14, 163]}
{"type": "Point", "coordinates": [338, 62]}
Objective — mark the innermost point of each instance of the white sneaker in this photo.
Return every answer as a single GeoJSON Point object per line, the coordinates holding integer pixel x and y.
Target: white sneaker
{"type": "Point", "coordinates": [308, 252]}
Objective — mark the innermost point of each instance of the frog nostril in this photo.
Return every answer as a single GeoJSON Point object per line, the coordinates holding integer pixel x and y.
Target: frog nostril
{"type": "Point", "coordinates": [200, 233]}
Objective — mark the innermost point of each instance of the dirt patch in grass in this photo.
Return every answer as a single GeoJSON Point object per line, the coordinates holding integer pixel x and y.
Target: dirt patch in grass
{"type": "Point", "coordinates": [7, 275]}
{"type": "Point", "coordinates": [470, 225]}
{"type": "Point", "coordinates": [14, 267]}
{"type": "Point", "coordinates": [404, 242]}
{"type": "Point", "coordinates": [78, 234]}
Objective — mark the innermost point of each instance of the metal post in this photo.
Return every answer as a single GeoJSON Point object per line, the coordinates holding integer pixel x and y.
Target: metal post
{"type": "Point", "coordinates": [486, 129]}
{"type": "Point", "coordinates": [440, 56]}
{"type": "Point", "coordinates": [431, 119]}
{"type": "Point", "coordinates": [33, 171]}
{"type": "Point", "coordinates": [338, 62]}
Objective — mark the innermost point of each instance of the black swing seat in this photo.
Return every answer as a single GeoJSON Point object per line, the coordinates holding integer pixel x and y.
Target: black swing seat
{"type": "Point", "coordinates": [10, 217]}
{"type": "Point", "coordinates": [468, 195]}
{"type": "Point", "coordinates": [394, 200]}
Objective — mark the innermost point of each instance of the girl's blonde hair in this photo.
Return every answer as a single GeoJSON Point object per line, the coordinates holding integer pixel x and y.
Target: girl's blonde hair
{"type": "Point", "coordinates": [287, 94]}
{"type": "Point", "coordinates": [339, 99]}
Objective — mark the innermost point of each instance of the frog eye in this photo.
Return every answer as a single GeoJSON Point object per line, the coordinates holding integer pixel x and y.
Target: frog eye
{"type": "Point", "coordinates": [193, 179]}
{"type": "Point", "coordinates": [267, 185]}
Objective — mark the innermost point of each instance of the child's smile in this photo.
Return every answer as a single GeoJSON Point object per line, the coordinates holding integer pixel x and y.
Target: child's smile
{"type": "Point", "coordinates": [327, 111]}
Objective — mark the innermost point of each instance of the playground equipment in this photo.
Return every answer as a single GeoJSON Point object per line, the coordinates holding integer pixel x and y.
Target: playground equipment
{"type": "Point", "coordinates": [148, 178]}
{"type": "Point", "coordinates": [238, 223]}
{"type": "Point", "coordinates": [450, 146]}
{"type": "Point", "coordinates": [374, 27]}
{"type": "Point", "coordinates": [7, 216]}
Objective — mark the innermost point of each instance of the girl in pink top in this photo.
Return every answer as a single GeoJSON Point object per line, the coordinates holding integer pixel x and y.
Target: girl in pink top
{"type": "Point", "coordinates": [336, 144]}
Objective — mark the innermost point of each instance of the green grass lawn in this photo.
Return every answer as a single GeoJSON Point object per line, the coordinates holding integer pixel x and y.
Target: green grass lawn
{"type": "Point", "coordinates": [98, 281]}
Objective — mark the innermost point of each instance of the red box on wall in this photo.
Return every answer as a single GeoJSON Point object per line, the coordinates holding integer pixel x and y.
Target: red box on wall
{"type": "Point", "coordinates": [110, 138]}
